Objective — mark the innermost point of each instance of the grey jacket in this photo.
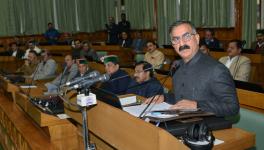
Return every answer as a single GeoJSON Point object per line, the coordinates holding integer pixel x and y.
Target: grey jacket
{"type": "Point", "coordinates": [45, 70]}
{"type": "Point", "coordinates": [208, 82]}
{"type": "Point", "coordinates": [66, 75]}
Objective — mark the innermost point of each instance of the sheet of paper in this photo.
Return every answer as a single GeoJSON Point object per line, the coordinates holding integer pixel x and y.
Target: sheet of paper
{"type": "Point", "coordinates": [63, 116]}
{"type": "Point", "coordinates": [128, 100]}
{"type": "Point", "coordinates": [137, 110]}
{"type": "Point", "coordinates": [28, 86]}
{"type": "Point", "coordinates": [217, 142]}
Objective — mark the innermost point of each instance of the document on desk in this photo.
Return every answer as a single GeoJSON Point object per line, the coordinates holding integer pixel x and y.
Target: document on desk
{"type": "Point", "coordinates": [128, 100]}
{"type": "Point", "coordinates": [27, 86]}
{"type": "Point", "coordinates": [137, 110]}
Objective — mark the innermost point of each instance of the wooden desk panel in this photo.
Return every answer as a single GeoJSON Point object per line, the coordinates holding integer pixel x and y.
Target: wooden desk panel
{"type": "Point", "coordinates": [120, 130]}
{"type": "Point", "coordinates": [234, 139]}
{"type": "Point", "coordinates": [19, 129]}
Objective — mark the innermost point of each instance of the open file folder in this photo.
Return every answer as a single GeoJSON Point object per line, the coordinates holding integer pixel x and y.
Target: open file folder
{"type": "Point", "coordinates": [161, 112]}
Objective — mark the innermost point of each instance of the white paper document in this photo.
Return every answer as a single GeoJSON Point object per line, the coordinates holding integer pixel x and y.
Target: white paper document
{"type": "Point", "coordinates": [128, 100]}
{"type": "Point", "coordinates": [138, 109]}
{"type": "Point", "coordinates": [28, 86]}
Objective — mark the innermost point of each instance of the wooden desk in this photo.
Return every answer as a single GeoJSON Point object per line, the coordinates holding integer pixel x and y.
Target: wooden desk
{"type": "Point", "coordinates": [17, 130]}
{"type": "Point", "coordinates": [112, 128]}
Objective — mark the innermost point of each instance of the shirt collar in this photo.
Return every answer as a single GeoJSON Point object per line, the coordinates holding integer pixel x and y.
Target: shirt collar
{"type": "Point", "coordinates": [193, 60]}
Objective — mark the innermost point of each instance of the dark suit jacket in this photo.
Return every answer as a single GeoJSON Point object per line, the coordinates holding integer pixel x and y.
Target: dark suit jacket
{"type": "Point", "coordinates": [138, 46]}
{"type": "Point", "coordinates": [208, 82]}
{"type": "Point", "coordinates": [211, 44]}
{"type": "Point", "coordinates": [147, 89]}
{"type": "Point", "coordinates": [19, 54]}
{"type": "Point", "coordinates": [127, 44]}
{"type": "Point", "coordinates": [257, 49]}
{"type": "Point", "coordinates": [118, 83]}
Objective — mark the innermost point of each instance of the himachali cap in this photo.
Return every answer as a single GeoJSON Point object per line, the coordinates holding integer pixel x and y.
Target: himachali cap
{"type": "Point", "coordinates": [83, 61]}
{"type": "Point", "coordinates": [110, 58]}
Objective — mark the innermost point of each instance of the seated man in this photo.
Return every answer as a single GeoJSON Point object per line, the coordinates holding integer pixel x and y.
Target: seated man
{"type": "Point", "coordinates": [258, 45]}
{"type": "Point", "coordinates": [68, 74]}
{"type": "Point", "coordinates": [87, 52]}
{"type": "Point", "coordinates": [52, 35]}
{"type": "Point", "coordinates": [210, 40]}
{"type": "Point", "coordinates": [46, 68]}
{"type": "Point", "coordinates": [30, 64]}
{"type": "Point", "coordinates": [154, 56]}
{"type": "Point", "coordinates": [204, 49]}
{"type": "Point", "coordinates": [32, 46]}
{"type": "Point", "coordinates": [76, 49]}
{"type": "Point", "coordinates": [238, 65]}
{"type": "Point", "coordinates": [200, 81]}
{"type": "Point", "coordinates": [138, 43]}
{"type": "Point", "coordinates": [83, 68]}
{"type": "Point", "coordinates": [124, 41]}
{"type": "Point", "coordinates": [119, 79]}
{"type": "Point", "coordinates": [145, 84]}
{"type": "Point", "coordinates": [15, 51]}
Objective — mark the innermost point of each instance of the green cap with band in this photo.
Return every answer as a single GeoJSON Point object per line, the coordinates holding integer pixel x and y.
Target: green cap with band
{"type": "Point", "coordinates": [110, 58]}
{"type": "Point", "coordinates": [83, 61]}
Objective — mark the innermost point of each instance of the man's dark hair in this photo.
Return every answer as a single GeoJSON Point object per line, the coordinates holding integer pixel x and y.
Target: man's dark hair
{"type": "Point", "coordinates": [146, 67]}
{"type": "Point", "coordinates": [239, 43]}
{"type": "Point", "coordinates": [211, 31]}
{"type": "Point", "coordinates": [33, 52]}
{"type": "Point", "coordinates": [50, 23]}
{"type": "Point", "coordinates": [153, 42]}
{"type": "Point", "coordinates": [32, 42]}
{"type": "Point", "coordinates": [180, 22]}
{"type": "Point", "coordinates": [123, 14]}
{"type": "Point", "coordinates": [13, 43]}
{"type": "Point", "coordinates": [46, 51]}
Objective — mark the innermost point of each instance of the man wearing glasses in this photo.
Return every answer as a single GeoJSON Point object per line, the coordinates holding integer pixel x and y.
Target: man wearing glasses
{"type": "Point", "coordinates": [199, 81]}
{"type": "Point", "coordinates": [144, 83]}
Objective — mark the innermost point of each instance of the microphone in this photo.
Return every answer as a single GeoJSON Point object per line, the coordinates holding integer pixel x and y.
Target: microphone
{"type": "Point", "coordinates": [33, 76]}
{"type": "Point", "coordinates": [92, 74]}
{"type": "Point", "coordinates": [87, 83]}
{"type": "Point", "coordinates": [61, 77]}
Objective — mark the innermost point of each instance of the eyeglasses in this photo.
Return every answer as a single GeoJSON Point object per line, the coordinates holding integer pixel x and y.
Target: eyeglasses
{"type": "Point", "coordinates": [185, 38]}
{"type": "Point", "coordinates": [138, 71]}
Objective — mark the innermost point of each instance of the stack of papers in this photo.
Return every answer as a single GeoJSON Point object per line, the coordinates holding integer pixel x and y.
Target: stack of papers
{"type": "Point", "coordinates": [137, 110]}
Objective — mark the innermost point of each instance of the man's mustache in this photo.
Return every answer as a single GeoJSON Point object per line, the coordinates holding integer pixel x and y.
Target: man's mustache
{"type": "Point", "coordinates": [181, 48]}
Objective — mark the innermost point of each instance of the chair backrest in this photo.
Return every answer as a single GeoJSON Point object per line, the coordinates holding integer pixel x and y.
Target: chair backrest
{"type": "Point", "coordinates": [101, 54]}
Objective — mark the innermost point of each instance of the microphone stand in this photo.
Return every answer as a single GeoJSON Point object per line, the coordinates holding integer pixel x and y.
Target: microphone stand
{"type": "Point", "coordinates": [87, 144]}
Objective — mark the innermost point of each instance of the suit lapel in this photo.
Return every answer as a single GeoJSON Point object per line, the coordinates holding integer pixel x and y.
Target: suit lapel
{"type": "Point", "coordinates": [233, 66]}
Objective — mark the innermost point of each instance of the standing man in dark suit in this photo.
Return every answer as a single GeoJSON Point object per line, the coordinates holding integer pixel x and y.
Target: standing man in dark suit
{"type": "Point", "coordinates": [200, 81]}
{"type": "Point", "coordinates": [124, 25]}
{"type": "Point", "coordinates": [112, 29]}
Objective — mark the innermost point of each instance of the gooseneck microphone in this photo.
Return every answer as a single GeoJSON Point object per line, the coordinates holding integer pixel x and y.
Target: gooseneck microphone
{"type": "Point", "coordinates": [31, 83]}
{"type": "Point", "coordinates": [62, 75]}
{"type": "Point", "coordinates": [86, 83]}
{"type": "Point", "coordinates": [92, 74]}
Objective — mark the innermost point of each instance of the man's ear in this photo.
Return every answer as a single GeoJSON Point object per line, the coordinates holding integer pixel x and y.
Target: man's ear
{"type": "Point", "coordinates": [197, 37]}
